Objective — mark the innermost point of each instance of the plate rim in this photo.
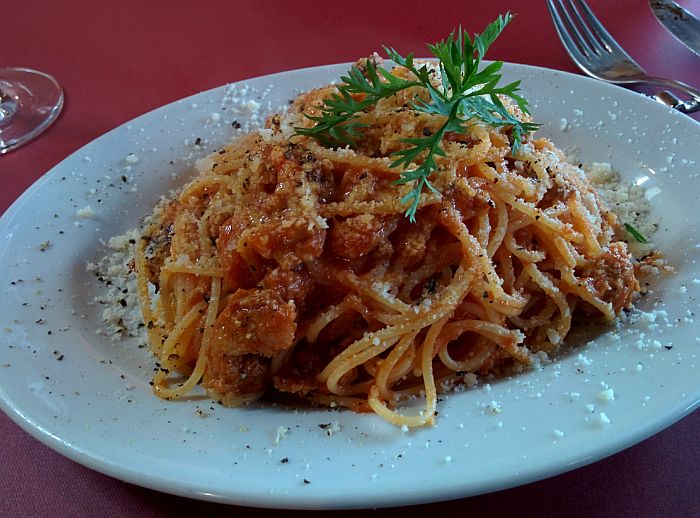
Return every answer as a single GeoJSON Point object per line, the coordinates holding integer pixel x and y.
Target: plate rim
{"type": "Point", "coordinates": [160, 483]}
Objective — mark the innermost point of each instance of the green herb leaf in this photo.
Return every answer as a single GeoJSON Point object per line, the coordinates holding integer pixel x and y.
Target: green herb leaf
{"type": "Point", "coordinates": [466, 93]}
{"type": "Point", "coordinates": [636, 234]}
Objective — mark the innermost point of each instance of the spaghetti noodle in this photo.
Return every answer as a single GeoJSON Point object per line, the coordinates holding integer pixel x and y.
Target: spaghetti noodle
{"type": "Point", "coordinates": [288, 268]}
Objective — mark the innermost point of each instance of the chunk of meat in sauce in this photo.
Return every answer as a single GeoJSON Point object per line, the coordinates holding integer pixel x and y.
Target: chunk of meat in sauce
{"type": "Point", "coordinates": [298, 376]}
{"type": "Point", "coordinates": [254, 326]}
{"type": "Point", "coordinates": [288, 243]}
{"type": "Point", "coordinates": [359, 184]}
{"type": "Point", "coordinates": [356, 236]}
{"type": "Point", "coordinates": [237, 375]}
{"type": "Point", "coordinates": [412, 240]}
{"type": "Point", "coordinates": [254, 321]}
{"type": "Point", "coordinates": [244, 266]}
{"type": "Point", "coordinates": [290, 284]}
{"type": "Point", "coordinates": [612, 277]}
{"type": "Point", "coordinates": [239, 271]}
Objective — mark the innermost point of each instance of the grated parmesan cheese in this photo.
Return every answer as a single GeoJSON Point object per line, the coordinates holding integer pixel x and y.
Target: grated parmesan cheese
{"type": "Point", "coordinates": [120, 314]}
{"type": "Point", "coordinates": [627, 201]}
{"type": "Point", "coordinates": [85, 212]}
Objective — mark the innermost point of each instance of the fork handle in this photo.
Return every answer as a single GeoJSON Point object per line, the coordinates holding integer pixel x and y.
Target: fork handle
{"type": "Point", "coordinates": [689, 106]}
{"type": "Point", "coordinates": [672, 101]}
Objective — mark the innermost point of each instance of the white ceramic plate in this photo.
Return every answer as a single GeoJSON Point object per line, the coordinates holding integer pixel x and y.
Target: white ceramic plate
{"type": "Point", "coordinates": [88, 397]}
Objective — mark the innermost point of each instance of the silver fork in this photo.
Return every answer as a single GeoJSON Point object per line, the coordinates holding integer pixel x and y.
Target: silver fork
{"type": "Point", "coordinates": [599, 55]}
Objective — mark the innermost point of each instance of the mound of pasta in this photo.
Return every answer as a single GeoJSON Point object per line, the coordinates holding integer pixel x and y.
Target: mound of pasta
{"type": "Point", "coordinates": [288, 270]}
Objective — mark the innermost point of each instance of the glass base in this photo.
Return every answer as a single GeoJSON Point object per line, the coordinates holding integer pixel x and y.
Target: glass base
{"type": "Point", "coordinates": [29, 102]}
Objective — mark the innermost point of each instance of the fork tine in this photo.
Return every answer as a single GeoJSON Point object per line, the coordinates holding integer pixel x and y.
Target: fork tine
{"type": "Point", "coordinates": [604, 37]}
{"type": "Point", "coordinates": [593, 40]}
{"type": "Point", "coordinates": [582, 43]}
{"type": "Point", "coordinates": [600, 56]}
{"type": "Point", "coordinates": [564, 31]}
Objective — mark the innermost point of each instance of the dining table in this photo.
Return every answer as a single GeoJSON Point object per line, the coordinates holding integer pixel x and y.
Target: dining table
{"type": "Point", "coordinates": [118, 60]}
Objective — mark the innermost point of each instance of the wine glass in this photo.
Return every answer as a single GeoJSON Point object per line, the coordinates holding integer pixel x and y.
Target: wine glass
{"type": "Point", "coordinates": [29, 102]}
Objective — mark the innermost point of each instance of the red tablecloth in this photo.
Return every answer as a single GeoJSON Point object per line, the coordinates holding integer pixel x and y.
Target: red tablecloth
{"type": "Point", "coordinates": [117, 60]}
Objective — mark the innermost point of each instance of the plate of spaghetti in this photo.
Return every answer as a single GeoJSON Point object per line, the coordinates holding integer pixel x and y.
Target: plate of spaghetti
{"type": "Point", "coordinates": [401, 280]}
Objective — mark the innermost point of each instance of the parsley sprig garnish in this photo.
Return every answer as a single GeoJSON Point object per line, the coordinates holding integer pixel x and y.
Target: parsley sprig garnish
{"type": "Point", "coordinates": [636, 234]}
{"type": "Point", "coordinates": [465, 93]}
{"type": "Point", "coordinates": [336, 126]}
